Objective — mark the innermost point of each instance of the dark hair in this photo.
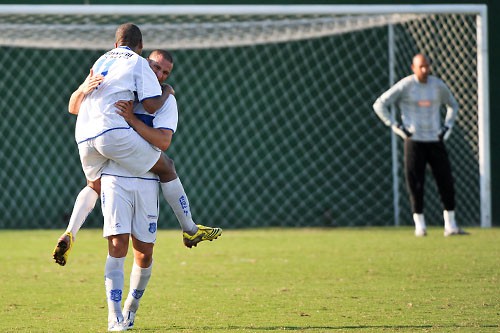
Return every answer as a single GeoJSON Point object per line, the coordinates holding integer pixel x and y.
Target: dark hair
{"type": "Point", "coordinates": [128, 34]}
{"type": "Point", "coordinates": [164, 53]}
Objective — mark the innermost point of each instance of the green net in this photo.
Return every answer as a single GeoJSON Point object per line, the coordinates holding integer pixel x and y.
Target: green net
{"type": "Point", "coordinates": [272, 131]}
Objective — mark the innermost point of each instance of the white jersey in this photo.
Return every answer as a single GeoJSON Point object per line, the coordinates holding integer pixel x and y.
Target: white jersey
{"type": "Point", "coordinates": [127, 76]}
{"type": "Point", "coordinates": [165, 118]}
{"type": "Point", "coordinates": [419, 105]}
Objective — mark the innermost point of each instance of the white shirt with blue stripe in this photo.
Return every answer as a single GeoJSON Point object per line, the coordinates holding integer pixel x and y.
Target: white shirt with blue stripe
{"type": "Point", "coordinates": [127, 76]}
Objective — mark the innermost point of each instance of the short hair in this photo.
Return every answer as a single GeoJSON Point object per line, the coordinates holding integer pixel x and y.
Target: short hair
{"type": "Point", "coordinates": [164, 53]}
{"type": "Point", "coordinates": [128, 34]}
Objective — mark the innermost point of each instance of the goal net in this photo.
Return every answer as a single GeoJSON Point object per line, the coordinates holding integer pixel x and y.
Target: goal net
{"type": "Point", "coordinates": [276, 122]}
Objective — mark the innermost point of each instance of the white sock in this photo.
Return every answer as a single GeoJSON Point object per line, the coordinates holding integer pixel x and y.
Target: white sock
{"type": "Point", "coordinates": [84, 203]}
{"type": "Point", "coordinates": [113, 281]}
{"type": "Point", "coordinates": [174, 193]}
{"type": "Point", "coordinates": [139, 278]}
{"type": "Point", "coordinates": [419, 221]}
{"type": "Point", "coordinates": [449, 220]}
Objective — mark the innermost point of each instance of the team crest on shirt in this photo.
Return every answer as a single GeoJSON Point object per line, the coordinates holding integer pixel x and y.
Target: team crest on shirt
{"type": "Point", "coordinates": [152, 228]}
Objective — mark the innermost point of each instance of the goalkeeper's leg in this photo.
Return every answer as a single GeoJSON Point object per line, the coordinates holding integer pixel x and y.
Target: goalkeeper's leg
{"type": "Point", "coordinates": [415, 163]}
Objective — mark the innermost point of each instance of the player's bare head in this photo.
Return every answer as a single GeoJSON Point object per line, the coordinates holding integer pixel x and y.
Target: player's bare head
{"type": "Point", "coordinates": [130, 35]}
{"type": "Point", "coordinates": [162, 63]}
{"type": "Point", "coordinates": [421, 67]}
{"type": "Point", "coordinates": [163, 54]}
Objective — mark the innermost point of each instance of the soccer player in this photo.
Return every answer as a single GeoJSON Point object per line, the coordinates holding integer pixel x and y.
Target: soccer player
{"type": "Point", "coordinates": [130, 209]}
{"type": "Point", "coordinates": [419, 98]}
{"type": "Point", "coordinates": [161, 62]}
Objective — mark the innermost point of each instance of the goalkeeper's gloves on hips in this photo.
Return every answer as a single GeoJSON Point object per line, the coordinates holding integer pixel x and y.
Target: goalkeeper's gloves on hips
{"type": "Point", "coordinates": [400, 130]}
{"type": "Point", "coordinates": [445, 133]}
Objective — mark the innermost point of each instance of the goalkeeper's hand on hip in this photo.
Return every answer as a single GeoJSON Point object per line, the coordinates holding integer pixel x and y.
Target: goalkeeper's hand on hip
{"type": "Point", "coordinates": [445, 133]}
{"type": "Point", "coordinates": [400, 130]}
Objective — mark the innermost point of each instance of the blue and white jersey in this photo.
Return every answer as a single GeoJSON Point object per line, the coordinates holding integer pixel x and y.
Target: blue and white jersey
{"type": "Point", "coordinates": [166, 117]}
{"type": "Point", "coordinates": [419, 105]}
{"type": "Point", "coordinates": [127, 76]}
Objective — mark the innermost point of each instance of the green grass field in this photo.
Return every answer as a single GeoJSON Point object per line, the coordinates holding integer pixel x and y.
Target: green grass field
{"type": "Point", "coordinates": [264, 280]}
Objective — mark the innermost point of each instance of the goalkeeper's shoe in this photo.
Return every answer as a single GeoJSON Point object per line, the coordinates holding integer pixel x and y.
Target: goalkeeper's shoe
{"type": "Point", "coordinates": [420, 232]}
{"type": "Point", "coordinates": [455, 232]}
{"type": "Point", "coordinates": [63, 248]}
{"type": "Point", "coordinates": [203, 234]}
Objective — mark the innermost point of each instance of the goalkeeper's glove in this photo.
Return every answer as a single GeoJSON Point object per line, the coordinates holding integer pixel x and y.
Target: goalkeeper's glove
{"type": "Point", "coordinates": [400, 130]}
{"type": "Point", "coordinates": [445, 133]}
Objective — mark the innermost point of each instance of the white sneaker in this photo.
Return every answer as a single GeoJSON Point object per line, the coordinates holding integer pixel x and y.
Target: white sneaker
{"type": "Point", "coordinates": [129, 319]}
{"type": "Point", "coordinates": [116, 325]}
{"type": "Point", "coordinates": [420, 232]}
{"type": "Point", "coordinates": [454, 232]}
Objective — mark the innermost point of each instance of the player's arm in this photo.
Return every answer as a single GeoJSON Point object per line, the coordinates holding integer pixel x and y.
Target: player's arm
{"type": "Point", "coordinates": [153, 104]}
{"type": "Point", "coordinates": [451, 111]}
{"type": "Point", "coordinates": [158, 137]}
{"type": "Point", "coordinates": [382, 108]}
{"type": "Point", "coordinates": [91, 82]}
{"type": "Point", "coordinates": [382, 105]}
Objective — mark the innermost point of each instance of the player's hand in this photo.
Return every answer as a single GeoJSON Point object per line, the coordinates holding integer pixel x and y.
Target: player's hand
{"type": "Point", "coordinates": [167, 87]}
{"type": "Point", "coordinates": [91, 82]}
{"type": "Point", "coordinates": [400, 130]}
{"type": "Point", "coordinates": [125, 109]}
{"type": "Point", "coordinates": [445, 133]}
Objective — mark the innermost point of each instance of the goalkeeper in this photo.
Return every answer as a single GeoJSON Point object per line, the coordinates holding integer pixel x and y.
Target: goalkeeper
{"type": "Point", "coordinates": [418, 98]}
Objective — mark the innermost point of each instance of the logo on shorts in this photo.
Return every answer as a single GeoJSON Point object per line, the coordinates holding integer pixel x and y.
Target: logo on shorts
{"type": "Point", "coordinates": [184, 205]}
{"type": "Point", "coordinates": [152, 228]}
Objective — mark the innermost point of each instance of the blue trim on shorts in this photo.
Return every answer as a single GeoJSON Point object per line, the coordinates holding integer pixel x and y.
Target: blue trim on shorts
{"type": "Point", "coordinates": [98, 135]}
{"type": "Point", "coordinates": [131, 177]}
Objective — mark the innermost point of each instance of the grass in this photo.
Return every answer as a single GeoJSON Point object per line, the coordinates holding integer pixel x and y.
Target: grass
{"type": "Point", "coordinates": [264, 280]}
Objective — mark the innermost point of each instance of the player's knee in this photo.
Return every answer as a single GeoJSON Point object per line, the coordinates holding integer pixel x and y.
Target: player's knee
{"type": "Point", "coordinates": [95, 185]}
{"type": "Point", "coordinates": [143, 260]}
{"type": "Point", "coordinates": [165, 169]}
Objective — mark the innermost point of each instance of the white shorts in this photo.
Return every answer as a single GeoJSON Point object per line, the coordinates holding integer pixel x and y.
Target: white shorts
{"type": "Point", "coordinates": [130, 206]}
{"type": "Point", "coordinates": [123, 146]}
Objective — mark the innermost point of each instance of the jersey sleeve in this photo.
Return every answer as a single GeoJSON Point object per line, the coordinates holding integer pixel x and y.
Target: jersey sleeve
{"type": "Point", "coordinates": [168, 116]}
{"type": "Point", "coordinates": [146, 82]}
{"type": "Point", "coordinates": [383, 104]}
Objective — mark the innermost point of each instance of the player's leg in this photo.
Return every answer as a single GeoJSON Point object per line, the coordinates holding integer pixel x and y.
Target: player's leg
{"type": "Point", "coordinates": [175, 195]}
{"type": "Point", "coordinates": [117, 209]}
{"type": "Point", "coordinates": [114, 279]}
{"type": "Point", "coordinates": [144, 227]}
{"type": "Point", "coordinates": [139, 279]}
{"type": "Point", "coordinates": [92, 164]}
{"type": "Point", "coordinates": [441, 170]}
{"type": "Point", "coordinates": [415, 161]}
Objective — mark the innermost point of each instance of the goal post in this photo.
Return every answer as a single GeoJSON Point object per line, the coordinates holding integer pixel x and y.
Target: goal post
{"type": "Point", "coordinates": [276, 125]}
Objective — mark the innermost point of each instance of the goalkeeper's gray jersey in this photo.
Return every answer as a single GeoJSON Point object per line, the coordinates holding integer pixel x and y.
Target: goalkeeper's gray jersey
{"type": "Point", "coordinates": [419, 105]}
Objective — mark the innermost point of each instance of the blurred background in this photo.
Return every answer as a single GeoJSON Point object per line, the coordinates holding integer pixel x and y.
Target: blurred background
{"type": "Point", "coordinates": [273, 130]}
